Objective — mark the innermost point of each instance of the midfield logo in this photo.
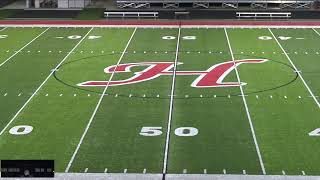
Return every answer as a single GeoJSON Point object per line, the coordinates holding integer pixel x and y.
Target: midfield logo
{"type": "Point", "coordinates": [213, 77]}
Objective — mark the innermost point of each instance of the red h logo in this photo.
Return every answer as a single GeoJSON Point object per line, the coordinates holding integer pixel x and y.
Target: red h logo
{"type": "Point", "coordinates": [213, 77]}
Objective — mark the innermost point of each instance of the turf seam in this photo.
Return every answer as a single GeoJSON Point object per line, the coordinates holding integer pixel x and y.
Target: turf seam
{"type": "Point", "coordinates": [165, 159]}
{"type": "Point", "coordinates": [98, 105]}
{"type": "Point", "coordinates": [37, 90]}
{"type": "Point", "coordinates": [246, 107]}
{"type": "Point", "coordinates": [4, 62]}
{"type": "Point", "coordinates": [297, 71]}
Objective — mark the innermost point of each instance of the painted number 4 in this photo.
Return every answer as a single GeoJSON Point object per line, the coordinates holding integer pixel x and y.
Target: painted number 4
{"type": "Point", "coordinates": [181, 131]}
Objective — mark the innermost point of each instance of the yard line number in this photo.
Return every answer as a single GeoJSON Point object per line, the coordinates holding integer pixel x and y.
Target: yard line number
{"type": "Point", "coordinates": [183, 37]}
{"type": "Point", "coordinates": [21, 130]}
{"type": "Point", "coordinates": [157, 131]}
{"type": "Point", "coordinates": [283, 38]}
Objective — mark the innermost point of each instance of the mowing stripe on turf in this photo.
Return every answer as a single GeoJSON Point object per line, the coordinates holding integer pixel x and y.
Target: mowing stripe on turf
{"type": "Point", "coordinates": [165, 160]}
{"type": "Point", "coordinates": [36, 91]}
{"type": "Point", "coordinates": [297, 71]}
{"type": "Point", "coordinates": [24, 47]}
{"type": "Point", "coordinates": [98, 104]}
{"type": "Point", "coordinates": [246, 107]}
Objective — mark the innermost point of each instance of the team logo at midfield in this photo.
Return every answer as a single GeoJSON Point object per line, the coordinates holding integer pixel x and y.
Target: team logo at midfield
{"type": "Point", "coordinates": [212, 77]}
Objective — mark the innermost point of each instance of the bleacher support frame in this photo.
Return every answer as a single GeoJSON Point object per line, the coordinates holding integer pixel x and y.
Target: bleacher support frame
{"type": "Point", "coordinates": [205, 4]}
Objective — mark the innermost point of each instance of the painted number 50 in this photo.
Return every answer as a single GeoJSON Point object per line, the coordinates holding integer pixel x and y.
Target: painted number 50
{"type": "Point", "coordinates": [181, 131]}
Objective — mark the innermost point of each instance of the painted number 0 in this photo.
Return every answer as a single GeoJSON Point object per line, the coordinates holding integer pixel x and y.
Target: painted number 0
{"type": "Point", "coordinates": [181, 131]}
{"type": "Point", "coordinates": [21, 130]}
{"type": "Point", "coordinates": [183, 37]}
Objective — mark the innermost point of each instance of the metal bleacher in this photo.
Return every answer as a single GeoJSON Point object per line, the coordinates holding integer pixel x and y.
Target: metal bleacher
{"type": "Point", "coordinates": [231, 4]}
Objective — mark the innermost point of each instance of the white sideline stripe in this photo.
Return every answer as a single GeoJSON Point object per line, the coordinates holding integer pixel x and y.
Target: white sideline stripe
{"type": "Point", "coordinates": [23, 47]}
{"type": "Point", "coordinates": [165, 160]}
{"type": "Point", "coordinates": [163, 26]}
{"type": "Point", "coordinates": [247, 109]}
{"type": "Point", "coordinates": [304, 82]}
{"type": "Point", "coordinates": [3, 28]}
{"type": "Point", "coordinates": [98, 105]}
{"type": "Point", "coordinates": [35, 92]}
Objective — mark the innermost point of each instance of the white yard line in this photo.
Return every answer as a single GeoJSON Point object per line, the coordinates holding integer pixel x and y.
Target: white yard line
{"type": "Point", "coordinates": [296, 70]}
{"type": "Point", "coordinates": [3, 29]}
{"type": "Point", "coordinates": [316, 31]}
{"type": "Point", "coordinates": [165, 160]}
{"type": "Point", "coordinates": [26, 103]}
{"type": "Point", "coordinates": [246, 107]}
{"type": "Point", "coordinates": [98, 105]}
{"type": "Point", "coordinates": [23, 47]}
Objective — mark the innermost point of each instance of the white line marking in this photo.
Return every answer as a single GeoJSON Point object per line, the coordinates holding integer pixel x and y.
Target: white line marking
{"type": "Point", "coordinates": [97, 106]}
{"type": "Point", "coordinates": [304, 82]}
{"type": "Point", "coordinates": [37, 90]}
{"type": "Point", "coordinates": [185, 171]}
{"type": "Point", "coordinates": [106, 170]}
{"type": "Point", "coordinates": [3, 29]}
{"type": "Point", "coordinates": [165, 160]}
{"type": "Point", "coordinates": [246, 107]}
{"type": "Point", "coordinates": [23, 47]}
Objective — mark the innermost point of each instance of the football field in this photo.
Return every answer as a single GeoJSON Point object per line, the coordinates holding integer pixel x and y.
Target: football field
{"type": "Point", "coordinates": [162, 100]}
